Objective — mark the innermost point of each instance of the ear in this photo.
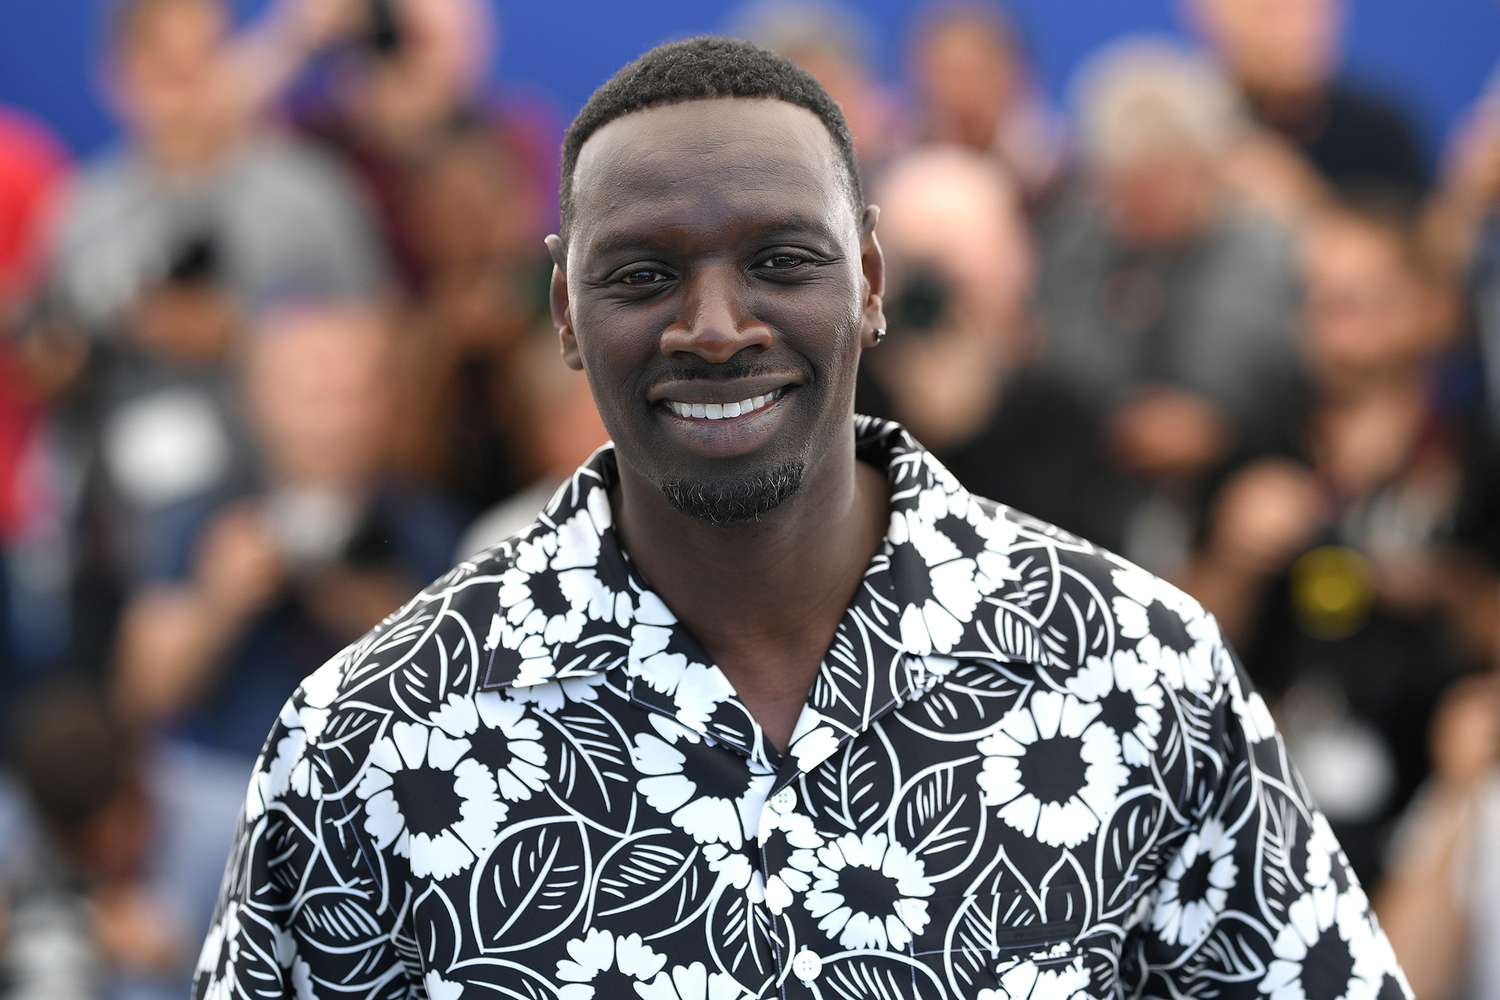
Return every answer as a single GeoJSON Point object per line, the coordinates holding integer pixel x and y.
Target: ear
{"type": "Point", "coordinates": [872, 264]}
{"type": "Point", "coordinates": [558, 299]}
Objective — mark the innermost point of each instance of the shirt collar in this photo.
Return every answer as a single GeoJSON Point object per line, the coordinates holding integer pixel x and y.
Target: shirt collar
{"type": "Point", "coordinates": [944, 586]}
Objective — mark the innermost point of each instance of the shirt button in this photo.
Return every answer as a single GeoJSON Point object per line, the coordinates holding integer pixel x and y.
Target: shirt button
{"type": "Point", "coordinates": [785, 800]}
{"type": "Point", "coordinates": [807, 965]}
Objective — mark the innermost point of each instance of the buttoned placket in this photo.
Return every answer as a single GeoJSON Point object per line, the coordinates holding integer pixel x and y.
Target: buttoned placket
{"type": "Point", "coordinates": [769, 850]}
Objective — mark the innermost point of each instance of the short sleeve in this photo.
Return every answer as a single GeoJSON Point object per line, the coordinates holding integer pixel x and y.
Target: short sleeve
{"type": "Point", "coordinates": [306, 908]}
{"type": "Point", "coordinates": [1258, 899]}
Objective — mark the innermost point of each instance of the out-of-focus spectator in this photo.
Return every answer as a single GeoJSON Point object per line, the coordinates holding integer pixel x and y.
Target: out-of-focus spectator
{"type": "Point", "coordinates": [486, 277]}
{"type": "Point", "coordinates": [1159, 297]}
{"type": "Point", "coordinates": [32, 166]}
{"type": "Point", "coordinates": [832, 43]}
{"type": "Point", "coordinates": [1284, 57]}
{"type": "Point", "coordinates": [562, 428]}
{"type": "Point", "coordinates": [253, 589]}
{"type": "Point", "coordinates": [193, 171]}
{"type": "Point", "coordinates": [404, 75]}
{"type": "Point", "coordinates": [1352, 559]}
{"type": "Point", "coordinates": [974, 88]}
{"type": "Point", "coordinates": [959, 368]}
{"type": "Point", "coordinates": [112, 870]}
{"type": "Point", "coordinates": [1440, 904]}
{"type": "Point", "coordinates": [1463, 227]}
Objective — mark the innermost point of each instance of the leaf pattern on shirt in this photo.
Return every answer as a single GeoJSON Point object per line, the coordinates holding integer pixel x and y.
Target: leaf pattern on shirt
{"type": "Point", "coordinates": [1026, 768]}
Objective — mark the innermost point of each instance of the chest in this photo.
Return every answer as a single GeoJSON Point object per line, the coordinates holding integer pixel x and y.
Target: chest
{"type": "Point", "coordinates": [593, 848]}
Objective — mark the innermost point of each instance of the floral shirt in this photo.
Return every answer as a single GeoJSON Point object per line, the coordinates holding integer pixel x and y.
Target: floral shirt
{"type": "Point", "coordinates": [1026, 769]}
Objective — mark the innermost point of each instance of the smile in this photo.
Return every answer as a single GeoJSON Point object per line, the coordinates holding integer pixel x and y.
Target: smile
{"type": "Point", "coordinates": [723, 411]}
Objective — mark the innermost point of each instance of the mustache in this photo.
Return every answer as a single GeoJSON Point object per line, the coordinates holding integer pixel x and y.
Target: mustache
{"type": "Point", "coordinates": [729, 371]}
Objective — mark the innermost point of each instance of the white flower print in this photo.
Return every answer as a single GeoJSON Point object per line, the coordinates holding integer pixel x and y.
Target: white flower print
{"type": "Point", "coordinates": [691, 982]}
{"type": "Point", "coordinates": [1325, 930]}
{"type": "Point", "coordinates": [733, 869]}
{"type": "Point", "coordinates": [455, 827]}
{"type": "Point", "coordinates": [576, 563]}
{"type": "Point", "coordinates": [961, 518]}
{"type": "Point", "coordinates": [605, 966]}
{"type": "Point", "coordinates": [1129, 698]}
{"type": "Point", "coordinates": [1170, 629]}
{"type": "Point", "coordinates": [439, 988]}
{"type": "Point", "coordinates": [1052, 768]}
{"type": "Point", "coordinates": [670, 787]}
{"type": "Point", "coordinates": [788, 883]}
{"type": "Point", "coordinates": [532, 597]}
{"type": "Point", "coordinates": [553, 695]}
{"type": "Point", "coordinates": [294, 766]}
{"type": "Point", "coordinates": [933, 618]}
{"type": "Point", "coordinates": [513, 750]}
{"type": "Point", "coordinates": [216, 958]}
{"type": "Point", "coordinates": [697, 689]}
{"type": "Point", "coordinates": [1197, 885]}
{"type": "Point", "coordinates": [845, 867]}
{"type": "Point", "coordinates": [1322, 849]}
{"type": "Point", "coordinates": [1025, 980]}
{"type": "Point", "coordinates": [1251, 710]}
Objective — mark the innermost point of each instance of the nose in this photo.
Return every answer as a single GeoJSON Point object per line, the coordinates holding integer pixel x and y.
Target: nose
{"type": "Point", "coordinates": [714, 323]}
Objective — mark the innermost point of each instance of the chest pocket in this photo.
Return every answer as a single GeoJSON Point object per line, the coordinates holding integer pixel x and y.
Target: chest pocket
{"type": "Point", "coordinates": [1018, 945]}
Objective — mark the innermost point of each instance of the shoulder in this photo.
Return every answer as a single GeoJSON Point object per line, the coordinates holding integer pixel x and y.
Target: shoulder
{"type": "Point", "coordinates": [433, 650]}
{"type": "Point", "coordinates": [1088, 606]}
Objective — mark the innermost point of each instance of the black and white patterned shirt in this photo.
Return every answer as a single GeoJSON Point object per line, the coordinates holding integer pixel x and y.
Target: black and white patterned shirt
{"type": "Point", "coordinates": [1027, 769]}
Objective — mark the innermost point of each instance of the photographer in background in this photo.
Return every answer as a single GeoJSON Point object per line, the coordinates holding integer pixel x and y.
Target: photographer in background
{"type": "Point", "coordinates": [1160, 298]}
{"type": "Point", "coordinates": [960, 367]}
{"type": "Point", "coordinates": [192, 160]}
{"type": "Point", "coordinates": [1351, 555]}
{"type": "Point", "coordinates": [252, 589]}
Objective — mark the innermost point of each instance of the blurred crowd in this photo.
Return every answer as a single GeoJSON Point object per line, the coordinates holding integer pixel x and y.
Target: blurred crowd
{"type": "Point", "coordinates": [283, 356]}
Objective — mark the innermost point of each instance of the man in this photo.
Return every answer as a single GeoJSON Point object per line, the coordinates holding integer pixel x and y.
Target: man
{"type": "Point", "coordinates": [862, 735]}
{"type": "Point", "coordinates": [1284, 57]}
{"type": "Point", "coordinates": [194, 171]}
{"type": "Point", "coordinates": [1159, 298]}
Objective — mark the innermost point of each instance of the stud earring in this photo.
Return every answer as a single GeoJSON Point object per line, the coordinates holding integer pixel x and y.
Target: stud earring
{"type": "Point", "coordinates": [879, 335]}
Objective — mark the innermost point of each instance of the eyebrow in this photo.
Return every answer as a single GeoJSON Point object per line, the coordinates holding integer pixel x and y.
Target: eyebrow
{"type": "Point", "coordinates": [625, 240]}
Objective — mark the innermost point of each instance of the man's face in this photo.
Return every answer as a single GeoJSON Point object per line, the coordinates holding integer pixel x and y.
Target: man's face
{"type": "Point", "coordinates": [716, 287]}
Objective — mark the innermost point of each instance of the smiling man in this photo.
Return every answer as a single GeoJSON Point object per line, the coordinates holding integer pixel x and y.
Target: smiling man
{"type": "Point", "coordinates": [765, 704]}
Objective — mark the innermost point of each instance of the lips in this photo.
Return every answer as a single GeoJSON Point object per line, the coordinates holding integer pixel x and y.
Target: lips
{"type": "Point", "coordinates": [722, 411]}
{"type": "Point", "coordinates": [726, 419]}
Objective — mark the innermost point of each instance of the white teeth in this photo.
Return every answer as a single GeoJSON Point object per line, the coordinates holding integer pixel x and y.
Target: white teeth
{"type": "Point", "coordinates": [719, 411]}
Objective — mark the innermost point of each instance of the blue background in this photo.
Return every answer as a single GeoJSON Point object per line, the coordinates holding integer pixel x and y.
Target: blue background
{"type": "Point", "coordinates": [1435, 54]}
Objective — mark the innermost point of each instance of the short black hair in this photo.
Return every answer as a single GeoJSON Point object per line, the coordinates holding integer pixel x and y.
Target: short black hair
{"type": "Point", "coordinates": [700, 69]}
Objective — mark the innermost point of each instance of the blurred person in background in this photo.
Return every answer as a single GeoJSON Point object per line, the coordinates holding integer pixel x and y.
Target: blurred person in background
{"type": "Point", "coordinates": [113, 882]}
{"type": "Point", "coordinates": [960, 368]}
{"type": "Point", "coordinates": [1354, 558]}
{"type": "Point", "coordinates": [562, 427]}
{"type": "Point", "coordinates": [472, 211]}
{"type": "Point", "coordinates": [1463, 226]}
{"type": "Point", "coordinates": [254, 588]}
{"type": "Point", "coordinates": [833, 44]}
{"type": "Point", "coordinates": [974, 88]}
{"type": "Point", "coordinates": [402, 76]}
{"type": "Point", "coordinates": [1159, 297]}
{"type": "Point", "coordinates": [1440, 903]}
{"type": "Point", "coordinates": [32, 168]}
{"type": "Point", "coordinates": [192, 168]}
{"type": "Point", "coordinates": [1283, 56]}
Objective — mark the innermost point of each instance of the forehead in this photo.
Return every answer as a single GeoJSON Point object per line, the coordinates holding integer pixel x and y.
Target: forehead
{"type": "Point", "coordinates": [707, 165]}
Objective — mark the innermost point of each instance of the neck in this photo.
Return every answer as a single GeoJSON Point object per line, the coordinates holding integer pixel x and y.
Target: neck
{"type": "Point", "coordinates": [788, 577]}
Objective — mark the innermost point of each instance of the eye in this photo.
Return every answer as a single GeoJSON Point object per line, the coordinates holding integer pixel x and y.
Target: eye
{"type": "Point", "coordinates": [642, 277]}
{"type": "Point", "coordinates": [784, 260]}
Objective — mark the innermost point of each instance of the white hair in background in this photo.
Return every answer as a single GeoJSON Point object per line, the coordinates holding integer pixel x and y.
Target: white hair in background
{"type": "Point", "coordinates": [1143, 97]}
